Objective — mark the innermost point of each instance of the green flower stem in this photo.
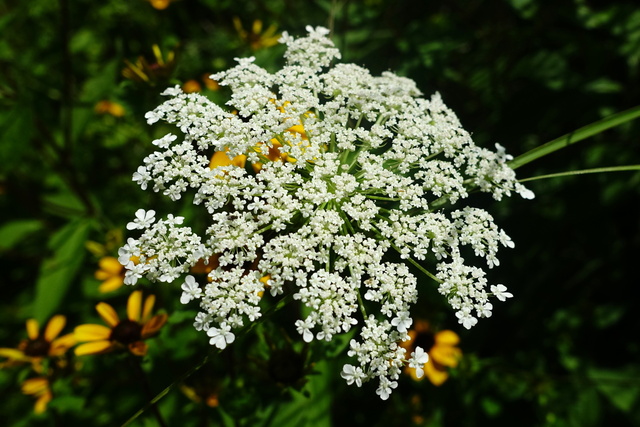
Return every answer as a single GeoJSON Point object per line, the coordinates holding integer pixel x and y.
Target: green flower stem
{"type": "Point", "coordinates": [583, 172]}
{"type": "Point", "coordinates": [575, 136]}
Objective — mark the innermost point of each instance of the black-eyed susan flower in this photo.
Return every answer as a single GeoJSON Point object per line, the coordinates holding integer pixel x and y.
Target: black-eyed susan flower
{"type": "Point", "coordinates": [441, 347]}
{"type": "Point", "coordinates": [128, 333]}
{"type": "Point", "coordinates": [40, 344]}
{"type": "Point", "coordinates": [210, 83]}
{"type": "Point", "coordinates": [255, 37]}
{"type": "Point", "coordinates": [191, 86]}
{"type": "Point", "coordinates": [157, 71]}
{"type": "Point", "coordinates": [109, 107]}
{"type": "Point", "coordinates": [38, 387]}
{"type": "Point", "coordinates": [160, 4]}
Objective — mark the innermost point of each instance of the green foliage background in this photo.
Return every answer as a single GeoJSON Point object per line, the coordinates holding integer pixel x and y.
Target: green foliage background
{"type": "Point", "coordinates": [563, 352]}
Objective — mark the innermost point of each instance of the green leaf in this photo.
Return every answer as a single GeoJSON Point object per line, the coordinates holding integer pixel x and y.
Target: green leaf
{"type": "Point", "coordinates": [15, 231]}
{"type": "Point", "coordinates": [58, 271]}
{"type": "Point", "coordinates": [575, 136]}
{"type": "Point", "coordinates": [312, 411]}
{"type": "Point", "coordinates": [621, 386]}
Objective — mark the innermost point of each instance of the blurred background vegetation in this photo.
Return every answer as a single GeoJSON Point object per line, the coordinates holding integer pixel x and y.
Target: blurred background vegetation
{"type": "Point", "coordinates": [76, 78]}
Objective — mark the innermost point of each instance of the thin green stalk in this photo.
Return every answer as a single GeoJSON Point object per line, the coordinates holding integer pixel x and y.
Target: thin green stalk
{"type": "Point", "coordinates": [575, 136]}
{"type": "Point", "coordinates": [583, 172]}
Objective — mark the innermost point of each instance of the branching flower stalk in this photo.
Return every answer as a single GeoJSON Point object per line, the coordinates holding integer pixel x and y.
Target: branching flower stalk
{"type": "Point", "coordinates": [311, 178]}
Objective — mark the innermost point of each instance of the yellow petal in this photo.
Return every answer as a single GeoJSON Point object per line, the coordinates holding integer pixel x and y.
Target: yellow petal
{"type": "Point", "coordinates": [34, 386]}
{"type": "Point", "coordinates": [445, 355]}
{"type": "Point", "coordinates": [160, 4]}
{"type": "Point", "coordinates": [111, 284]}
{"type": "Point", "coordinates": [148, 307]}
{"type": "Point", "coordinates": [110, 265]}
{"type": "Point", "coordinates": [42, 402]}
{"type": "Point", "coordinates": [62, 344]}
{"type": "Point", "coordinates": [14, 354]}
{"type": "Point", "coordinates": [134, 304]}
{"type": "Point", "coordinates": [153, 326]}
{"type": "Point", "coordinates": [446, 337]}
{"type": "Point", "coordinates": [297, 129]}
{"type": "Point", "coordinates": [108, 314]}
{"type": "Point", "coordinates": [92, 332]}
{"type": "Point", "coordinates": [54, 327]}
{"type": "Point", "coordinates": [32, 329]}
{"type": "Point", "coordinates": [95, 347]}
{"type": "Point", "coordinates": [138, 348]}
{"type": "Point", "coordinates": [435, 375]}
{"type": "Point", "coordinates": [239, 160]}
{"type": "Point", "coordinates": [219, 158]}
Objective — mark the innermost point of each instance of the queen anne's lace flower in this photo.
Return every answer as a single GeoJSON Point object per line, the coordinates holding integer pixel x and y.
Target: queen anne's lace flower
{"type": "Point", "coordinates": [318, 173]}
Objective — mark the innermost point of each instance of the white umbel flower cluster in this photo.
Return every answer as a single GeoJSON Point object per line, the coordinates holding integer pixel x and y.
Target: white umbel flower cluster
{"type": "Point", "coordinates": [312, 178]}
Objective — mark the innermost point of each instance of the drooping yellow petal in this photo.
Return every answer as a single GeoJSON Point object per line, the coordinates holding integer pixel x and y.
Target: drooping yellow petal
{"type": "Point", "coordinates": [62, 344]}
{"type": "Point", "coordinates": [445, 355]}
{"type": "Point", "coordinates": [108, 314]}
{"type": "Point", "coordinates": [95, 347]}
{"type": "Point", "coordinates": [54, 327]}
{"type": "Point", "coordinates": [91, 332]}
{"type": "Point", "coordinates": [138, 348]}
{"type": "Point", "coordinates": [111, 284]}
{"type": "Point", "coordinates": [32, 329]}
{"type": "Point", "coordinates": [435, 375]}
{"type": "Point", "coordinates": [134, 304]}
{"type": "Point", "coordinates": [153, 326]}
{"type": "Point", "coordinates": [446, 337]}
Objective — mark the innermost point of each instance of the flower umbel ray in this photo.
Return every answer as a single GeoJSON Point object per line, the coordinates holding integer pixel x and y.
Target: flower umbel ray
{"type": "Point", "coordinates": [128, 333]}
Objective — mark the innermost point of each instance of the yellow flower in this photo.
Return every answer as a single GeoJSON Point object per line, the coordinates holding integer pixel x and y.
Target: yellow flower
{"type": "Point", "coordinates": [191, 86]}
{"type": "Point", "coordinates": [109, 107]}
{"type": "Point", "coordinates": [144, 71]}
{"type": "Point", "coordinates": [39, 388]}
{"type": "Point", "coordinates": [201, 393]}
{"type": "Point", "coordinates": [111, 273]}
{"type": "Point", "coordinates": [121, 334]}
{"type": "Point", "coordinates": [160, 4]}
{"type": "Point", "coordinates": [442, 349]}
{"type": "Point", "coordinates": [210, 83]}
{"type": "Point", "coordinates": [256, 38]}
{"type": "Point", "coordinates": [38, 346]}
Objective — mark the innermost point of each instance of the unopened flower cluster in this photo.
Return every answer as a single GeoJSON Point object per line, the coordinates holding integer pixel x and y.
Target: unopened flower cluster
{"type": "Point", "coordinates": [312, 177]}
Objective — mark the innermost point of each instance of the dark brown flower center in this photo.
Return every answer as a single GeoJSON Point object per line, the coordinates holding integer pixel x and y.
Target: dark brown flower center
{"type": "Point", "coordinates": [37, 348]}
{"type": "Point", "coordinates": [127, 332]}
